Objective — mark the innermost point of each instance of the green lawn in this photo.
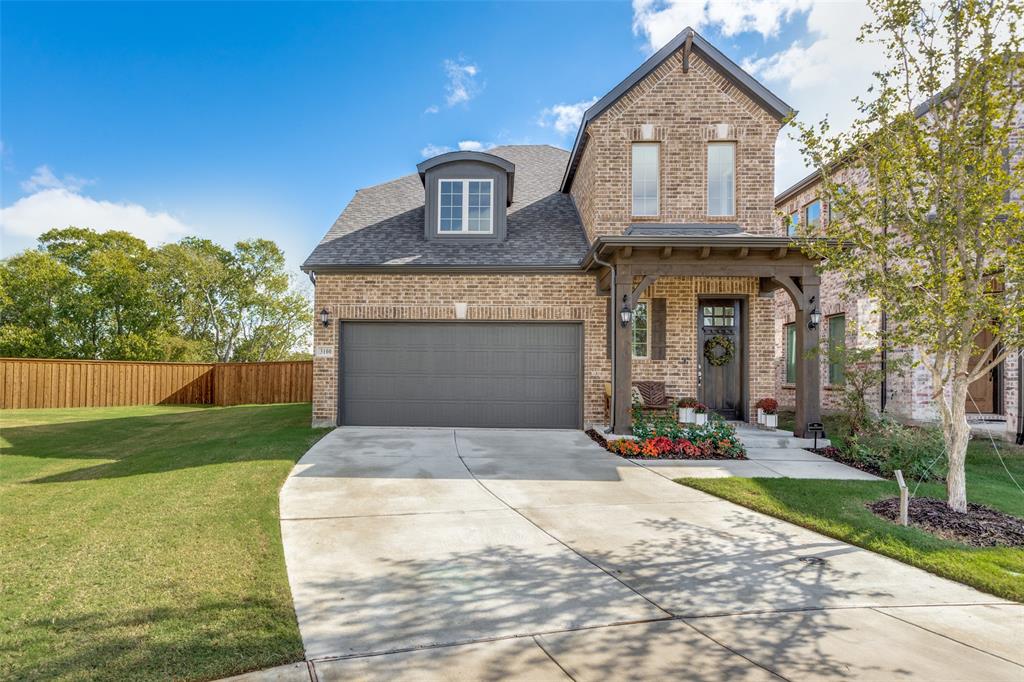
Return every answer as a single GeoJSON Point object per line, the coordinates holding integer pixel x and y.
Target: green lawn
{"type": "Point", "coordinates": [143, 543]}
{"type": "Point", "coordinates": [836, 508]}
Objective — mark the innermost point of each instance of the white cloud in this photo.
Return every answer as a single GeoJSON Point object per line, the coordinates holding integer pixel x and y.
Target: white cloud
{"type": "Point", "coordinates": [434, 150]}
{"type": "Point", "coordinates": [661, 20]}
{"type": "Point", "coordinates": [462, 84]}
{"type": "Point", "coordinates": [432, 109]}
{"type": "Point", "coordinates": [472, 146]}
{"type": "Point", "coordinates": [52, 207]}
{"type": "Point", "coordinates": [44, 178]}
{"type": "Point", "coordinates": [564, 118]}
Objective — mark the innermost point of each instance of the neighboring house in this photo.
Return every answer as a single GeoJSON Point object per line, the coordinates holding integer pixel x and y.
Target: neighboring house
{"type": "Point", "coordinates": [856, 323]}
{"type": "Point", "coordinates": [518, 287]}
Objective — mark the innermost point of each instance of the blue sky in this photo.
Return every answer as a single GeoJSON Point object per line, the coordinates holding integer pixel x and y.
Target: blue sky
{"type": "Point", "coordinates": [235, 120]}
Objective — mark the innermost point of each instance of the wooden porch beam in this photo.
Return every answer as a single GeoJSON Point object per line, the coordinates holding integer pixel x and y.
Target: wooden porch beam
{"type": "Point", "coordinates": [742, 253]}
{"type": "Point", "coordinates": [780, 253]}
{"type": "Point", "coordinates": [627, 251]}
{"type": "Point", "coordinates": [666, 252]}
{"type": "Point", "coordinates": [647, 281]}
{"type": "Point", "coordinates": [705, 251]}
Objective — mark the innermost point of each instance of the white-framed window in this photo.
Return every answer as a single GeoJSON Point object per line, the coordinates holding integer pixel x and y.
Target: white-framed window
{"type": "Point", "coordinates": [645, 178]}
{"type": "Point", "coordinates": [721, 178]}
{"type": "Point", "coordinates": [465, 206]}
{"type": "Point", "coordinates": [641, 331]}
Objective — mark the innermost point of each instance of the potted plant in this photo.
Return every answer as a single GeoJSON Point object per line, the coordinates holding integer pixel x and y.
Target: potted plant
{"type": "Point", "coordinates": [686, 410]}
{"type": "Point", "coordinates": [770, 407]}
{"type": "Point", "coordinates": [760, 411]}
{"type": "Point", "coordinates": [700, 414]}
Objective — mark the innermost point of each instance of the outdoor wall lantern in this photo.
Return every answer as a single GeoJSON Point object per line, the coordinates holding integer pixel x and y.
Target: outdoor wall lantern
{"type": "Point", "coordinates": [325, 317]}
{"type": "Point", "coordinates": [814, 319]}
{"type": "Point", "coordinates": [626, 315]}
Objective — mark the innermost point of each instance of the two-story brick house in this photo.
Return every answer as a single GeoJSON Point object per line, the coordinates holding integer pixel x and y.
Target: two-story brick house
{"type": "Point", "coordinates": [854, 322]}
{"type": "Point", "coordinates": [529, 286]}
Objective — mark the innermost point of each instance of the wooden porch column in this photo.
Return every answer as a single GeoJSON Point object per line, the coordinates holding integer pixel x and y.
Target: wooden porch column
{"type": "Point", "coordinates": [808, 362]}
{"type": "Point", "coordinates": [622, 380]}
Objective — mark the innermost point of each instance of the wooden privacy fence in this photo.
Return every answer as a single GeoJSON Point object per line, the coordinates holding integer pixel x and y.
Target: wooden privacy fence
{"type": "Point", "coordinates": [100, 383]}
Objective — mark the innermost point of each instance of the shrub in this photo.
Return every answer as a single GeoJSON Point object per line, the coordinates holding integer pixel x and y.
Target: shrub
{"type": "Point", "coordinates": [688, 402]}
{"type": "Point", "coordinates": [888, 445]}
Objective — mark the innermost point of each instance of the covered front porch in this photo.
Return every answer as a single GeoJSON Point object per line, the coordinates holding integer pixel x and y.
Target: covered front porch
{"type": "Point", "coordinates": [706, 303]}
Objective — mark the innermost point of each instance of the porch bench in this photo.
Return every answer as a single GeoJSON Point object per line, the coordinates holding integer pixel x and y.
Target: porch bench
{"type": "Point", "coordinates": [652, 393]}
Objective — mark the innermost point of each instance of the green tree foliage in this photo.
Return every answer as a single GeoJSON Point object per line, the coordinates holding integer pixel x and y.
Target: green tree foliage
{"type": "Point", "coordinates": [84, 294]}
{"type": "Point", "coordinates": [923, 211]}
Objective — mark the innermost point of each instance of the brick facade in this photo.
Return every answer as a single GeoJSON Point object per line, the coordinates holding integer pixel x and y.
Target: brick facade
{"type": "Point", "coordinates": [540, 297]}
{"type": "Point", "coordinates": [909, 393]}
{"type": "Point", "coordinates": [682, 110]}
{"type": "Point", "coordinates": [665, 100]}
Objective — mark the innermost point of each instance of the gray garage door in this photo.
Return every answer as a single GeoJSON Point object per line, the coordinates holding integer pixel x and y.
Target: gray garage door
{"type": "Point", "coordinates": [460, 374]}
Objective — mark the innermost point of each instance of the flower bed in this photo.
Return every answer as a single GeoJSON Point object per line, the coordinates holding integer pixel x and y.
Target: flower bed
{"type": "Point", "coordinates": [660, 438]}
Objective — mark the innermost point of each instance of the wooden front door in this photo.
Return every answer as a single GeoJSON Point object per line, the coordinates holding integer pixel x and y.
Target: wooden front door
{"type": "Point", "coordinates": [719, 336]}
{"type": "Point", "coordinates": [981, 393]}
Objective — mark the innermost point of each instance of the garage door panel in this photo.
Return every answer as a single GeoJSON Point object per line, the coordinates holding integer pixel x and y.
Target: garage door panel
{"type": "Point", "coordinates": [461, 374]}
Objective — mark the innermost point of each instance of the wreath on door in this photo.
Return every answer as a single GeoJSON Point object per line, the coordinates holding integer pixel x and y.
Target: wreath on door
{"type": "Point", "coordinates": [719, 350]}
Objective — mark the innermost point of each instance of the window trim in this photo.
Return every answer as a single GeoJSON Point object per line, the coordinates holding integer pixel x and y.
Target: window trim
{"type": "Point", "coordinates": [657, 178]}
{"type": "Point", "coordinates": [632, 332]}
{"type": "Point", "coordinates": [465, 206]}
{"type": "Point", "coordinates": [707, 178]}
{"type": "Point", "coordinates": [786, 329]}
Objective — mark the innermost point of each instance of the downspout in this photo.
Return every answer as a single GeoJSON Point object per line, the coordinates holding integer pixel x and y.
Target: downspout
{"type": "Point", "coordinates": [884, 322]}
{"type": "Point", "coordinates": [611, 321]}
{"type": "Point", "coordinates": [1020, 397]}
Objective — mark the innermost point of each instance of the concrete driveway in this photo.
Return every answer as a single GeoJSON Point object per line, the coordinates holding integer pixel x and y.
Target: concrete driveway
{"type": "Point", "coordinates": [441, 554]}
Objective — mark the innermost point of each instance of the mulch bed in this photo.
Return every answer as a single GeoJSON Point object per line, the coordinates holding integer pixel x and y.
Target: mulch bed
{"type": "Point", "coordinates": [603, 442]}
{"type": "Point", "coordinates": [838, 455]}
{"type": "Point", "coordinates": [597, 438]}
{"type": "Point", "coordinates": [981, 526]}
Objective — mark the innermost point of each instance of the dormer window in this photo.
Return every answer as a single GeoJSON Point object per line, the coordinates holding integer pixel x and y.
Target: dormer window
{"type": "Point", "coordinates": [466, 197]}
{"type": "Point", "coordinates": [465, 206]}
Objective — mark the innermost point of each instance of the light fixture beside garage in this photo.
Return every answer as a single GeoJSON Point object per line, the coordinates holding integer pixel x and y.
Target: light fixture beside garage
{"type": "Point", "coordinates": [325, 317]}
{"type": "Point", "coordinates": [460, 310]}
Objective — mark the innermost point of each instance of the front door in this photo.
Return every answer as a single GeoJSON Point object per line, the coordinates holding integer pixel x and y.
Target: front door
{"type": "Point", "coordinates": [719, 351]}
{"type": "Point", "coordinates": [981, 393]}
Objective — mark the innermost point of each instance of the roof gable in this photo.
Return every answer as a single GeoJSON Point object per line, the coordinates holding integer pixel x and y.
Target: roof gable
{"type": "Point", "coordinates": [687, 38]}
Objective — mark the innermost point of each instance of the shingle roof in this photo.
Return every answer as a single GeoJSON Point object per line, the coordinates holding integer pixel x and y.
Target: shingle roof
{"type": "Point", "coordinates": [383, 224]}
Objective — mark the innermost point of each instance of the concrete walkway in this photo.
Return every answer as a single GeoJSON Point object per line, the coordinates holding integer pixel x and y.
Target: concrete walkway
{"type": "Point", "coordinates": [770, 454]}
{"type": "Point", "coordinates": [472, 554]}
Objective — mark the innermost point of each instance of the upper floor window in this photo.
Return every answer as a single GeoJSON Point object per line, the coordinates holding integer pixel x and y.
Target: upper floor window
{"type": "Point", "coordinates": [794, 224]}
{"type": "Point", "coordinates": [721, 178]}
{"type": "Point", "coordinates": [465, 206]}
{"type": "Point", "coordinates": [645, 178]}
{"type": "Point", "coordinates": [813, 212]}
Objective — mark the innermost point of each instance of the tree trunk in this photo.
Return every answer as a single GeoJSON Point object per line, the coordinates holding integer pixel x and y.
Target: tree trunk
{"type": "Point", "coordinates": [957, 433]}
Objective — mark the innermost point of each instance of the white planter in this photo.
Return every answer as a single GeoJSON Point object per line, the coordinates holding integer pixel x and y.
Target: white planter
{"type": "Point", "coordinates": [760, 416]}
{"type": "Point", "coordinates": [686, 415]}
{"type": "Point", "coordinates": [771, 420]}
{"type": "Point", "coordinates": [700, 418]}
